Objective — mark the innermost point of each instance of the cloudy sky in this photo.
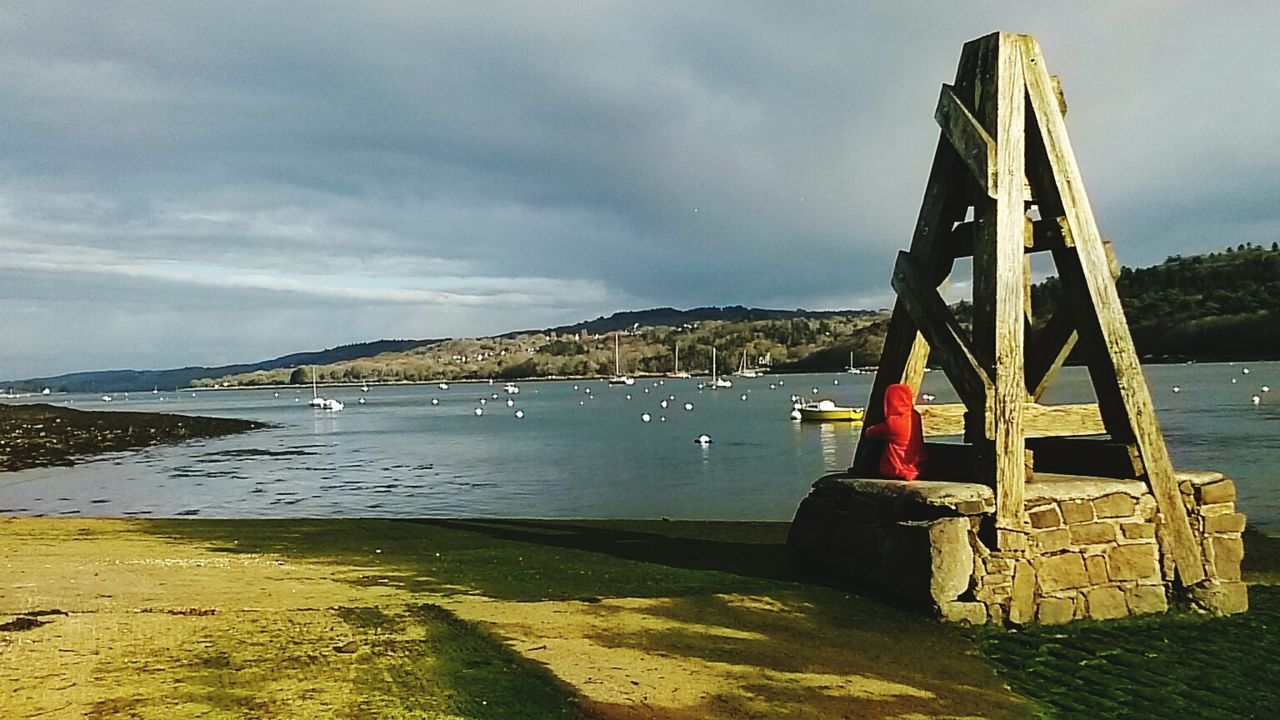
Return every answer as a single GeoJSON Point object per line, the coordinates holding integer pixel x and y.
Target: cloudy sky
{"type": "Point", "coordinates": [204, 183]}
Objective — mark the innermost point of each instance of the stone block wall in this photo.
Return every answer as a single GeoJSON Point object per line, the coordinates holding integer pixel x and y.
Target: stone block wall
{"type": "Point", "coordinates": [1210, 500]}
{"type": "Point", "coordinates": [1093, 550]}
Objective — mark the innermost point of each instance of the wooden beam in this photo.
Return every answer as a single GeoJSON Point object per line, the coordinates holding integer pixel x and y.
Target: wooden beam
{"type": "Point", "coordinates": [1047, 352]}
{"type": "Point", "coordinates": [1086, 456]}
{"type": "Point", "coordinates": [972, 143]}
{"type": "Point", "coordinates": [1117, 361]}
{"type": "Point", "coordinates": [947, 420]}
{"type": "Point", "coordinates": [998, 292]}
{"type": "Point", "coordinates": [905, 352]}
{"type": "Point", "coordinates": [1045, 235]}
{"type": "Point", "coordinates": [1057, 93]}
{"type": "Point", "coordinates": [944, 334]}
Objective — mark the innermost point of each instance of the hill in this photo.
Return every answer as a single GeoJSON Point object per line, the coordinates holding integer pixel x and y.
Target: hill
{"type": "Point", "coordinates": [671, 317]}
{"type": "Point", "coordinates": [783, 340]}
{"type": "Point", "coordinates": [135, 380]}
{"type": "Point", "coordinates": [1216, 306]}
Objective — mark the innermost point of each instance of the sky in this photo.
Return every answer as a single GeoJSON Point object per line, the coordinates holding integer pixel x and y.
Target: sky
{"type": "Point", "coordinates": [195, 183]}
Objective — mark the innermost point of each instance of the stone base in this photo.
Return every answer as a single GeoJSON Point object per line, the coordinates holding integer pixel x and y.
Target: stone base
{"type": "Point", "coordinates": [1092, 548]}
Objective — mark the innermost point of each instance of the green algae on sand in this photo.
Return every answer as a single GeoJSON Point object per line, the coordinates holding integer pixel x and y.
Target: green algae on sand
{"type": "Point", "coordinates": [41, 435]}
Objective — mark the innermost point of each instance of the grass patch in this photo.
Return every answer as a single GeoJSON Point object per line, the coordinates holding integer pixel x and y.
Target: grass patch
{"type": "Point", "coordinates": [710, 603]}
{"type": "Point", "coordinates": [1174, 665]}
{"type": "Point", "coordinates": [1178, 665]}
{"type": "Point", "coordinates": [723, 596]}
{"type": "Point", "coordinates": [424, 662]}
{"type": "Point", "coordinates": [522, 560]}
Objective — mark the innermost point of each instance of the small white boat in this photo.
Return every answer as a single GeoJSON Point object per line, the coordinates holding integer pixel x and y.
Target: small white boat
{"type": "Point", "coordinates": [829, 411]}
{"type": "Point", "coordinates": [619, 378]}
{"type": "Point", "coordinates": [511, 389]}
{"type": "Point", "coordinates": [316, 401]}
{"type": "Point", "coordinates": [678, 373]}
{"type": "Point", "coordinates": [746, 372]}
{"type": "Point", "coordinates": [332, 405]}
{"type": "Point", "coordinates": [717, 383]}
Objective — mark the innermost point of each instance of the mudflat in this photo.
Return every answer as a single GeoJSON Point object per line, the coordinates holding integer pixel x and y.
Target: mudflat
{"type": "Point", "coordinates": [40, 435]}
{"type": "Point", "coordinates": [453, 619]}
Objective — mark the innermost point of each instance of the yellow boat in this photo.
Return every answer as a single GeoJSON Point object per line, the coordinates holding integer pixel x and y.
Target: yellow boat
{"type": "Point", "coordinates": [828, 411]}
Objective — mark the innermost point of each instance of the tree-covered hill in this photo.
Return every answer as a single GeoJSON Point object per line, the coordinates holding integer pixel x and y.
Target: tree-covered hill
{"type": "Point", "coordinates": [133, 380]}
{"type": "Point", "coordinates": [787, 343]}
{"type": "Point", "coordinates": [1216, 306]}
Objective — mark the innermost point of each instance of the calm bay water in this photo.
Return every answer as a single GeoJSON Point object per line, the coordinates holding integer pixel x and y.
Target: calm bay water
{"type": "Point", "coordinates": [577, 453]}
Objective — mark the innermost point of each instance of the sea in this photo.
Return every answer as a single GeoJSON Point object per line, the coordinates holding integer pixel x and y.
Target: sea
{"type": "Point", "coordinates": [578, 448]}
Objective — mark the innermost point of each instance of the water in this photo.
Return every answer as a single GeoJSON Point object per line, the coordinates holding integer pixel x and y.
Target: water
{"type": "Point", "coordinates": [577, 453]}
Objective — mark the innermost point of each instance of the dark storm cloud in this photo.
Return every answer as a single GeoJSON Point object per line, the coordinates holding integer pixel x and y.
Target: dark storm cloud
{"type": "Point", "coordinates": [458, 168]}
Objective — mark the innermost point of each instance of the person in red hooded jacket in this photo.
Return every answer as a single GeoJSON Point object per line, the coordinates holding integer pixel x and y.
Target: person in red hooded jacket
{"type": "Point", "coordinates": [902, 434]}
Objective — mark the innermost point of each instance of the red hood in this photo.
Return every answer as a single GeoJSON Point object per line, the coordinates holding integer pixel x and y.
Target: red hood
{"type": "Point", "coordinates": [899, 399]}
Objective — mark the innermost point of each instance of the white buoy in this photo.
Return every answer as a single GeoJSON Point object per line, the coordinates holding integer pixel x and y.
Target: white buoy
{"type": "Point", "coordinates": [688, 406]}
{"type": "Point", "coordinates": [483, 401]}
{"type": "Point", "coordinates": [510, 402]}
{"type": "Point", "coordinates": [494, 396]}
{"type": "Point", "coordinates": [781, 383]}
{"type": "Point", "coordinates": [1177, 388]}
{"type": "Point", "coordinates": [663, 404]}
{"type": "Point", "coordinates": [814, 391]}
{"type": "Point", "coordinates": [275, 394]}
{"type": "Point", "coordinates": [1245, 371]}
{"type": "Point", "coordinates": [1233, 381]}
{"type": "Point", "coordinates": [1256, 399]}
{"type": "Point", "coordinates": [628, 396]}
{"type": "Point", "coordinates": [703, 439]}
{"type": "Point", "coordinates": [662, 418]}
{"type": "Point", "coordinates": [434, 401]}
{"type": "Point", "coordinates": [479, 412]}
{"type": "Point", "coordinates": [581, 403]}
{"type": "Point", "coordinates": [743, 396]}
{"type": "Point", "coordinates": [360, 401]}
{"type": "Point", "coordinates": [443, 386]}
{"type": "Point", "coordinates": [772, 386]}
{"type": "Point", "coordinates": [295, 399]}
{"type": "Point", "coordinates": [646, 390]}
{"type": "Point", "coordinates": [1266, 388]}
{"type": "Point", "coordinates": [587, 391]}
{"type": "Point", "coordinates": [795, 414]}
{"type": "Point", "coordinates": [575, 387]}
{"type": "Point", "coordinates": [519, 413]}
{"type": "Point", "coordinates": [645, 417]}
{"type": "Point", "coordinates": [836, 381]}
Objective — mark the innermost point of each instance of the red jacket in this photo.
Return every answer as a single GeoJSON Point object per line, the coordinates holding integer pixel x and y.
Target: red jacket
{"type": "Point", "coordinates": [902, 433]}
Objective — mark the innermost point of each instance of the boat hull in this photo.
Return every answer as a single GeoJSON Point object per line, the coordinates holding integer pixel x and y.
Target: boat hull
{"type": "Point", "coordinates": [838, 414]}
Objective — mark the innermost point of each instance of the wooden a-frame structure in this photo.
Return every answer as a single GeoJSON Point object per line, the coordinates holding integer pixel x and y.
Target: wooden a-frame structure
{"type": "Point", "coordinates": [1004, 184]}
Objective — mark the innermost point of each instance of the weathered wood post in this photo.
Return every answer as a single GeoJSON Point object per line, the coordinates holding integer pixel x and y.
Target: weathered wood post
{"type": "Point", "coordinates": [1004, 160]}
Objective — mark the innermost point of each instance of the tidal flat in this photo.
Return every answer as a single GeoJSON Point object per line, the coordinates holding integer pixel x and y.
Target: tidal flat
{"type": "Point", "coordinates": [42, 435]}
{"type": "Point", "coordinates": [555, 619]}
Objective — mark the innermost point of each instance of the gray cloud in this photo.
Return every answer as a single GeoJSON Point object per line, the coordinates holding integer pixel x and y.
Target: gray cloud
{"type": "Point", "coordinates": [349, 171]}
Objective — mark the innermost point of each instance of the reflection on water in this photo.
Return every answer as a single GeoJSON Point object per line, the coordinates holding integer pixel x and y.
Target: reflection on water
{"type": "Point", "coordinates": [580, 454]}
